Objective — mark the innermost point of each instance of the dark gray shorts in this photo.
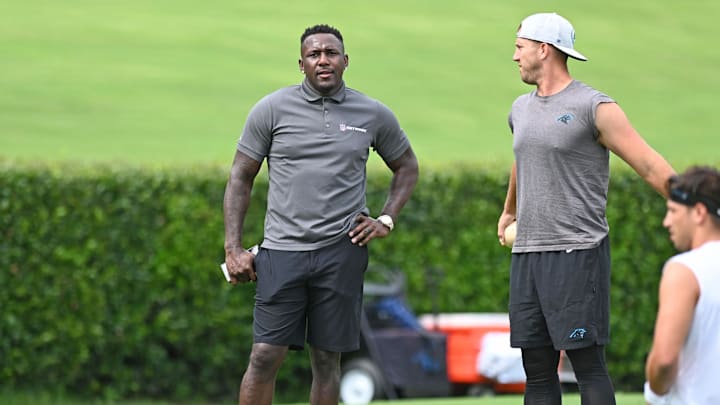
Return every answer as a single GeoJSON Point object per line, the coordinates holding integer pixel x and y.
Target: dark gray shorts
{"type": "Point", "coordinates": [560, 298]}
{"type": "Point", "coordinates": [310, 294]}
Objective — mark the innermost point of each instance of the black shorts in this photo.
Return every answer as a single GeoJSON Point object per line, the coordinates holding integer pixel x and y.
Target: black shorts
{"type": "Point", "coordinates": [314, 295]}
{"type": "Point", "coordinates": [560, 298]}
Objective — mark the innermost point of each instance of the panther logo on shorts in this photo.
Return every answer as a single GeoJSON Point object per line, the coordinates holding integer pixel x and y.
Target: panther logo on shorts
{"type": "Point", "coordinates": [578, 334]}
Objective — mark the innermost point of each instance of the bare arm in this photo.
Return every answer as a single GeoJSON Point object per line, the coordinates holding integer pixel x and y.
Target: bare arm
{"type": "Point", "coordinates": [235, 206]}
{"type": "Point", "coordinates": [679, 293]}
{"type": "Point", "coordinates": [618, 135]}
{"type": "Point", "coordinates": [509, 213]}
{"type": "Point", "coordinates": [405, 174]}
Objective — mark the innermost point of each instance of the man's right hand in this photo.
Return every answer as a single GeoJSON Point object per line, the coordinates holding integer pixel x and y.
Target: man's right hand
{"type": "Point", "coordinates": [505, 220]}
{"type": "Point", "coordinates": [240, 265]}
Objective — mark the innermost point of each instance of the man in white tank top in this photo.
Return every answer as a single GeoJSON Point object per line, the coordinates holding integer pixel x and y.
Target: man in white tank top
{"type": "Point", "coordinates": [684, 362]}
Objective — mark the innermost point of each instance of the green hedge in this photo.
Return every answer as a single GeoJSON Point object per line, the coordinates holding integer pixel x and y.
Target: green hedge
{"type": "Point", "coordinates": [111, 286]}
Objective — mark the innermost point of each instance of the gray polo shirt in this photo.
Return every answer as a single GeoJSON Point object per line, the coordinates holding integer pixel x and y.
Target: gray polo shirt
{"type": "Point", "coordinates": [562, 170]}
{"type": "Point", "coordinates": [317, 149]}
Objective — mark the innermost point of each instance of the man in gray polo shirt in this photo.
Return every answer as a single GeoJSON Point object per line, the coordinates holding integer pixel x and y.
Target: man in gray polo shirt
{"type": "Point", "coordinates": [560, 272]}
{"type": "Point", "coordinates": [316, 138]}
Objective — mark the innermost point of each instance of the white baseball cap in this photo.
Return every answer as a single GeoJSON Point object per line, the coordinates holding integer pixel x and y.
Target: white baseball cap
{"type": "Point", "coordinates": [552, 29]}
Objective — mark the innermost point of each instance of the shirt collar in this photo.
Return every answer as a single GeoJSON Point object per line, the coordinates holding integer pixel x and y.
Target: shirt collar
{"type": "Point", "coordinates": [311, 95]}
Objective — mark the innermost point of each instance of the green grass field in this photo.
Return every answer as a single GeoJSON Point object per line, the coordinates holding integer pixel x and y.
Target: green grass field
{"type": "Point", "coordinates": [170, 82]}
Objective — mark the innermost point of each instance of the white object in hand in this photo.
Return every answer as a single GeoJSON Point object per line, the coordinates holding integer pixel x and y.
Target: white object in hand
{"type": "Point", "coordinates": [254, 250]}
{"type": "Point", "coordinates": [510, 232]}
{"type": "Point", "coordinates": [225, 272]}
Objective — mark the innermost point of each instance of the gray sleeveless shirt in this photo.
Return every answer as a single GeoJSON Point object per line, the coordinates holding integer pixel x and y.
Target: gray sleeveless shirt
{"type": "Point", "coordinates": [562, 170]}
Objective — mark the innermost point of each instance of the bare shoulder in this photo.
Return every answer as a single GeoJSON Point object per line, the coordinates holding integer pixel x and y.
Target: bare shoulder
{"type": "Point", "coordinates": [610, 120]}
{"type": "Point", "coordinates": [678, 278]}
{"type": "Point", "coordinates": [618, 135]}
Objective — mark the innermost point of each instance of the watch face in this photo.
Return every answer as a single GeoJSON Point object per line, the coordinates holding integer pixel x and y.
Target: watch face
{"type": "Point", "coordinates": [386, 220]}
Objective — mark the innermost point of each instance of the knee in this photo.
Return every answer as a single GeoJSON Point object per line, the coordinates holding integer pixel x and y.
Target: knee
{"type": "Point", "coordinates": [326, 365]}
{"type": "Point", "coordinates": [265, 360]}
{"type": "Point", "coordinates": [540, 364]}
{"type": "Point", "coordinates": [588, 362]}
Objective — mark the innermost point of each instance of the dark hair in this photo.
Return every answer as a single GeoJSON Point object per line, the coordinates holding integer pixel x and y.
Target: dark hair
{"type": "Point", "coordinates": [321, 29]}
{"type": "Point", "coordinates": [698, 184]}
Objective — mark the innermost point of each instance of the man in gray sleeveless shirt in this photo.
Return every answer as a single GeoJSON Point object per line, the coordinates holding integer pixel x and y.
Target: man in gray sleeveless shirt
{"type": "Point", "coordinates": [563, 132]}
{"type": "Point", "coordinates": [309, 269]}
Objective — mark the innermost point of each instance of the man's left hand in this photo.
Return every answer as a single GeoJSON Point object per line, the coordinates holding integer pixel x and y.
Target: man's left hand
{"type": "Point", "coordinates": [367, 229]}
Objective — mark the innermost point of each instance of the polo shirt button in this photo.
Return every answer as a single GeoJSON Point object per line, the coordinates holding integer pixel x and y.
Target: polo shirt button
{"type": "Point", "coordinates": [327, 125]}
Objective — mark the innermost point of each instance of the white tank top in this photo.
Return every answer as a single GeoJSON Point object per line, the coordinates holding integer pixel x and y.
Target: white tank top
{"type": "Point", "coordinates": [698, 381]}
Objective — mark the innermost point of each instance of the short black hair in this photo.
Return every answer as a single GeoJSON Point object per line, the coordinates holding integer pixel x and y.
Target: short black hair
{"type": "Point", "coordinates": [321, 29]}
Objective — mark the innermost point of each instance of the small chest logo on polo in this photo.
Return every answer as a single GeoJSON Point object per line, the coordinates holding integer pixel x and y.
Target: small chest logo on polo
{"type": "Point", "coordinates": [565, 118]}
{"type": "Point", "coordinates": [345, 127]}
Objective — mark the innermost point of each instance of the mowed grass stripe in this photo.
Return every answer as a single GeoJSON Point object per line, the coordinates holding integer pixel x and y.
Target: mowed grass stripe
{"type": "Point", "coordinates": [170, 82]}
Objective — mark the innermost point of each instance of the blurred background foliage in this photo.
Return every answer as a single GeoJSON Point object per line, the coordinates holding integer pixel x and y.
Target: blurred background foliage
{"type": "Point", "coordinates": [111, 285]}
